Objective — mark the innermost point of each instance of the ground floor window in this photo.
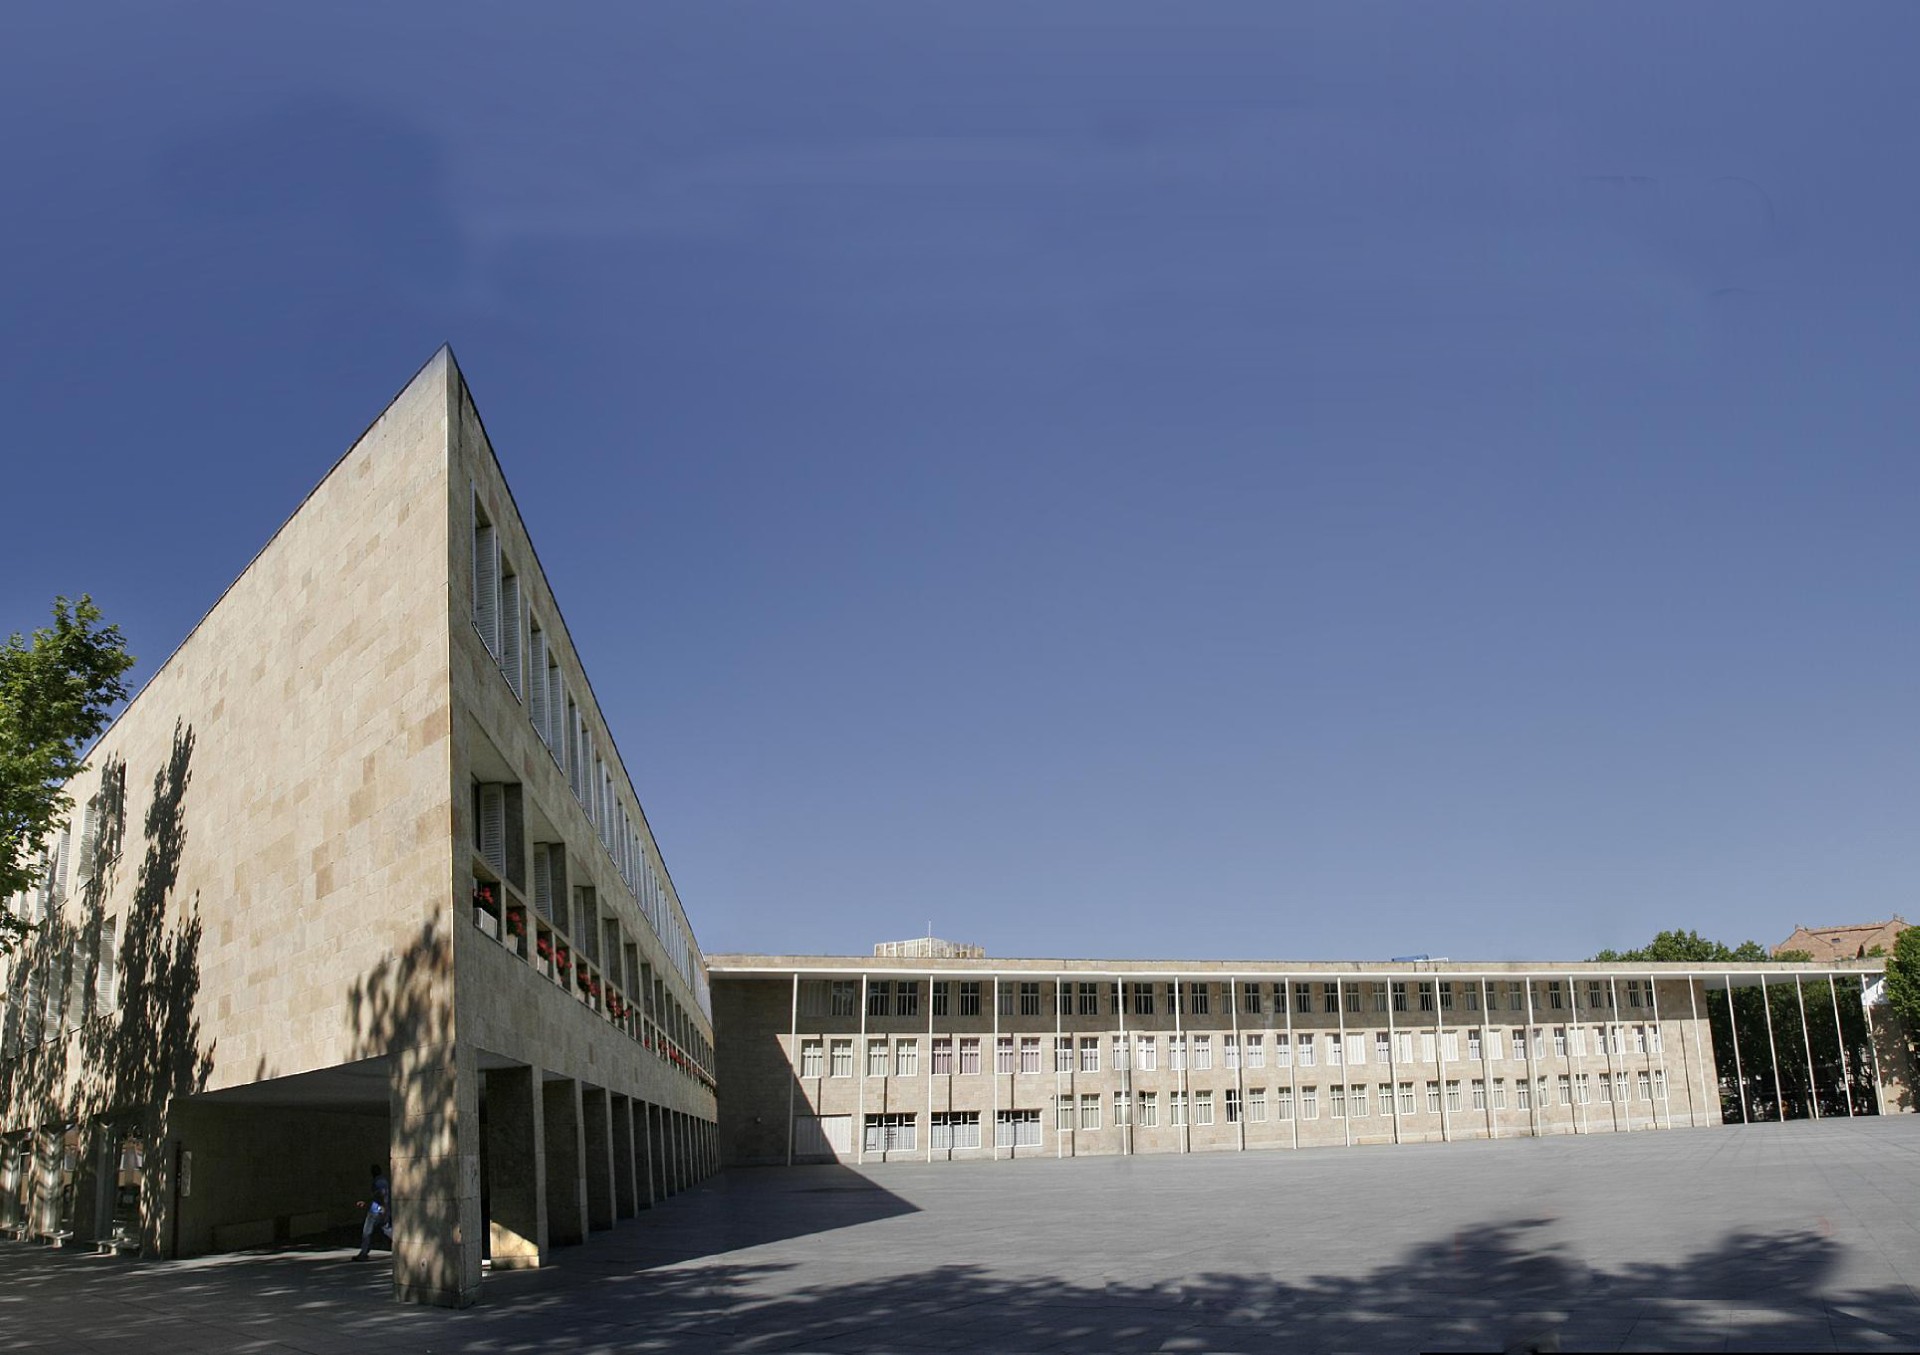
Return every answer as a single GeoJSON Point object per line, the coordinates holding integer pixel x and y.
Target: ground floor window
{"type": "Point", "coordinates": [1016, 1129]}
{"type": "Point", "coordinates": [891, 1133]}
{"type": "Point", "coordinates": [956, 1129]}
{"type": "Point", "coordinates": [1357, 1101]}
{"type": "Point", "coordinates": [1257, 1104]}
{"type": "Point", "coordinates": [1149, 1111]}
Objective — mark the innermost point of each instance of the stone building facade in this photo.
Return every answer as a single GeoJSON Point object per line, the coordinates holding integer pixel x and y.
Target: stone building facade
{"type": "Point", "coordinates": [360, 878]}
{"type": "Point", "coordinates": [1850, 941]}
{"type": "Point", "coordinates": [872, 1059]}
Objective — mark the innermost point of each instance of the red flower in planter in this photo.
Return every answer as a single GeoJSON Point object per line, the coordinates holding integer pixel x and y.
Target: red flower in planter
{"type": "Point", "coordinates": [545, 947]}
{"type": "Point", "coordinates": [560, 956]}
{"type": "Point", "coordinates": [483, 895]}
{"type": "Point", "coordinates": [516, 922]}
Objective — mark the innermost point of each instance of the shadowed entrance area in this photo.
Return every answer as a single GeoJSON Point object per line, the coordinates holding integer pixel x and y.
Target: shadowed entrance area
{"type": "Point", "coordinates": [1790, 1236]}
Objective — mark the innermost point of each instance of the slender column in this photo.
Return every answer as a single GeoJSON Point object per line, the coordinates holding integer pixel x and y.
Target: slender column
{"type": "Point", "coordinates": [1293, 1064]}
{"type": "Point", "coordinates": [793, 1054]}
{"type": "Point", "coordinates": [566, 1155]}
{"type": "Point", "coordinates": [1840, 1041]}
{"type": "Point", "coordinates": [1766, 1008]}
{"type": "Point", "coordinates": [516, 1168]}
{"type": "Point", "coordinates": [860, 1068]}
{"type": "Point", "coordinates": [1699, 1059]}
{"type": "Point", "coordinates": [1126, 1080]}
{"type": "Point", "coordinates": [1440, 1059]}
{"type": "Point", "coordinates": [1873, 1048]}
{"type": "Point", "coordinates": [596, 1121]}
{"type": "Point", "coordinates": [1239, 1058]}
{"type": "Point", "coordinates": [1580, 1112]}
{"type": "Point", "coordinates": [1393, 1060]}
{"type": "Point", "coordinates": [1486, 1056]}
{"type": "Point", "coordinates": [1186, 1062]}
{"type": "Point", "coordinates": [1739, 1074]}
{"type": "Point", "coordinates": [930, 1078]}
{"type": "Point", "coordinates": [1610, 1032]}
{"type": "Point", "coordinates": [1657, 1045]}
{"type": "Point", "coordinates": [993, 1071]}
{"type": "Point", "coordinates": [1534, 1096]}
{"type": "Point", "coordinates": [1059, 1022]}
{"type": "Point", "coordinates": [1806, 1041]}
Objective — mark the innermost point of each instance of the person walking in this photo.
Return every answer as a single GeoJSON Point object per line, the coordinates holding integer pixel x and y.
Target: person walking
{"type": "Point", "coordinates": [379, 1212]}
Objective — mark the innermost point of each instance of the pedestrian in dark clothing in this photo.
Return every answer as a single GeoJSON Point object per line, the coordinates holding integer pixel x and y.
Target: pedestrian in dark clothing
{"type": "Point", "coordinates": [379, 1213]}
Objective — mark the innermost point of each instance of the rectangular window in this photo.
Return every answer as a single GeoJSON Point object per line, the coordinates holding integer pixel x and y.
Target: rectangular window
{"type": "Point", "coordinates": [1472, 995]}
{"type": "Point", "coordinates": [1606, 1090]}
{"type": "Point", "coordinates": [843, 1058]}
{"type": "Point", "coordinates": [1516, 997]}
{"type": "Point", "coordinates": [1143, 999]}
{"type": "Point", "coordinates": [877, 1061]}
{"type": "Point", "coordinates": [1063, 1114]}
{"type": "Point", "coordinates": [1564, 1085]}
{"type": "Point", "coordinates": [1660, 1083]}
{"type": "Point", "coordinates": [1406, 1098]}
{"type": "Point", "coordinates": [810, 1058]}
{"type": "Point", "coordinates": [1336, 1055]}
{"type": "Point", "coordinates": [1653, 1039]}
{"type": "Point", "coordinates": [1089, 999]}
{"type": "Point", "coordinates": [1446, 997]}
{"type": "Point", "coordinates": [1473, 1046]}
{"type": "Point", "coordinates": [1499, 1093]}
{"type": "Point", "coordinates": [1256, 1051]}
{"type": "Point", "coordinates": [1149, 1105]}
{"type": "Point", "coordinates": [1283, 1103]}
{"type": "Point", "coordinates": [1357, 1101]}
{"type": "Point", "coordinates": [846, 999]}
{"type": "Point", "coordinates": [1063, 1053]}
{"type": "Point", "coordinates": [1404, 1046]}
{"type": "Point", "coordinates": [1583, 1088]}
{"type": "Point", "coordinates": [1063, 999]}
{"type": "Point", "coordinates": [1003, 999]}
{"type": "Point", "coordinates": [1426, 1046]}
{"type": "Point", "coordinates": [1580, 1041]}
{"type": "Point", "coordinates": [1250, 998]}
{"type": "Point", "coordinates": [1382, 1047]}
{"type": "Point", "coordinates": [1352, 991]}
{"type": "Point", "coordinates": [1090, 1110]}
{"type": "Point", "coordinates": [943, 1056]}
{"type": "Point", "coordinates": [1257, 1104]}
{"type": "Point", "coordinates": [1377, 996]}
{"type": "Point", "coordinates": [1330, 998]}
{"type": "Point", "coordinates": [1479, 1093]}
{"type": "Point", "coordinates": [1203, 1108]}
{"type": "Point", "coordinates": [879, 998]}
{"type": "Point", "coordinates": [1230, 1051]}
{"type": "Point", "coordinates": [1090, 1054]}
{"type": "Point", "coordinates": [956, 1129]}
{"type": "Point", "coordinates": [1450, 1047]}
{"type": "Point", "coordinates": [1303, 1050]}
{"type": "Point", "coordinates": [1426, 997]}
{"type": "Point", "coordinates": [486, 579]}
{"type": "Point", "coordinates": [1202, 1052]}
{"type": "Point", "coordinates": [1233, 1106]}
{"type": "Point", "coordinates": [1282, 1052]}
{"type": "Point", "coordinates": [1493, 1046]}
{"type": "Point", "coordinates": [1176, 1109]}
{"type": "Point", "coordinates": [1309, 1103]}
{"type": "Point", "coordinates": [1523, 1094]}
{"type": "Point", "coordinates": [940, 997]}
{"type": "Point", "coordinates": [1337, 1101]}
{"type": "Point", "coordinates": [1148, 1054]}
{"type": "Point", "coordinates": [1029, 1053]}
{"type": "Point", "coordinates": [906, 1058]}
{"type": "Point", "coordinates": [1003, 1054]}
{"type": "Point", "coordinates": [906, 999]}
{"type": "Point", "coordinates": [1556, 999]}
{"type": "Point", "coordinates": [1399, 996]}
{"type": "Point", "coordinates": [1029, 999]}
{"type": "Point", "coordinates": [1303, 997]}
{"type": "Point", "coordinates": [1433, 1098]}
{"type": "Point", "coordinates": [1199, 999]}
{"type": "Point", "coordinates": [1121, 1106]}
{"type": "Point", "coordinates": [970, 998]}
{"type": "Point", "coordinates": [1016, 1129]}
{"type": "Point", "coordinates": [969, 1057]}
{"type": "Point", "coordinates": [1560, 1042]}
{"type": "Point", "coordinates": [890, 1133]}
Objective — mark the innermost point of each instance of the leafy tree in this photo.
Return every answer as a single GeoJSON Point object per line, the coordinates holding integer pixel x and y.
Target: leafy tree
{"type": "Point", "coordinates": [1903, 977]}
{"type": "Point", "coordinates": [57, 692]}
{"type": "Point", "coordinates": [1678, 947]}
{"type": "Point", "coordinates": [1794, 956]}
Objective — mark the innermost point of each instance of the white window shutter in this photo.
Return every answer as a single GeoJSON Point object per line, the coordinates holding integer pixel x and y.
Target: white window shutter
{"type": "Point", "coordinates": [493, 826]}
{"type": "Point", "coordinates": [542, 881]}
{"type": "Point", "coordinates": [537, 684]}
{"type": "Point", "coordinates": [486, 585]}
{"type": "Point", "coordinates": [103, 993]}
{"type": "Point", "coordinates": [510, 632]}
{"type": "Point", "coordinates": [556, 707]}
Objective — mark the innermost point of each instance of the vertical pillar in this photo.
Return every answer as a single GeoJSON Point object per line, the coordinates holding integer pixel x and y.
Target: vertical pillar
{"type": "Point", "coordinates": [1186, 1062]}
{"type": "Point", "coordinates": [991, 1061]}
{"type": "Point", "coordinates": [1622, 1106]}
{"type": "Point", "coordinates": [860, 1071]}
{"type": "Point", "coordinates": [1574, 1021]}
{"type": "Point", "coordinates": [1873, 1048]}
{"type": "Point", "coordinates": [1534, 1095]}
{"type": "Point", "coordinates": [1840, 1041]}
{"type": "Point", "coordinates": [793, 1055]}
{"type": "Point", "coordinates": [1293, 1070]}
{"type": "Point", "coordinates": [1486, 1056]}
{"type": "Point", "coordinates": [1658, 1045]}
{"type": "Point", "coordinates": [566, 1162]}
{"type": "Point", "coordinates": [647, 1191]}
{"type": "Point", "coordinates": [44, 1215]}
{"type": "Point", "coordinates": [1693, 1029]}
{"type": "Point", "coordinates": [1440, 1059]}
{"type": "Point", "coordinates": [1059, 1023]}
{"type": "Point", "coordinates": [930, 1078]}
{"type": "Point", "coordinates": [596, 1137]}
{"type": "Point", "coordinates": [1806, 1042]}
{"type": "Point", "coordinates": [433, 1096]}
{"type": "Point", "coordinates": [516, 1169]}
{"type": "Point", "coordinates": [1239, 1058]}
{"type": "Point", "coordinates": [1773, 1056]}
{"type": "Point", "coordinates": [626, 1185]}
{"type": "Point", "coordinates": [1125, 1069]}
{"type": "Point", "coordinates": [1393, 1059]}
{"type": "Point", "coordinates": [1739, 1074]}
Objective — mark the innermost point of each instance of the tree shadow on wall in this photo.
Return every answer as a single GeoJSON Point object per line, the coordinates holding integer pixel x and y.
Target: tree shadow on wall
{"type": "Point", "coordinates": [129, 995]}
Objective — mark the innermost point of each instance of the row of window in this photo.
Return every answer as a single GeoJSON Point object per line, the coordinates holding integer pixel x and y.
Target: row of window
{"type": "Point", "coordinates": [515, 638]}
{"type": "Point", "coordinates": [1356, 1101]}
{"type": "Point", "coordinates": [1024, 997]}
{"type": "Point", "coordinates": [900, 1056]}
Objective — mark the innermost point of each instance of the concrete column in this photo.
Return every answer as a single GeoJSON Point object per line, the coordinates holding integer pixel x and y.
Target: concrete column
{"type": "Point", "coordinates": [596, 1125]}
{"type": "Point", "coordinates": [433, 1094]}
{"type": "Point", "coordinates": [625, 1183]}
{"type": "Point", "coordinates": [44, 1213]}
{"type": "Point", "coordinates": [644, 1155]}
{"type": "Point", "coordinates": [657, 1139]}
{"type": "Point", "coordinates": [566, 1162]}
{"type": "Point", "coordinates": [516, 1169]}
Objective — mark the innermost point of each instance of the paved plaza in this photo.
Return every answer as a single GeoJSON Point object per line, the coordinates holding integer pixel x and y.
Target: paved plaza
{"type": "Point", "coordinates": [1796, 1236]}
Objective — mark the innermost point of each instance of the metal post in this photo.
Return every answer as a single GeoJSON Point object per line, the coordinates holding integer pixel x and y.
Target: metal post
{"type": "Point", "coordinates": [860, 1067]}
{"type": "Point", "coordinates": [1346, 1087]}
{"type": "Point", "coordinates": [1486, 1056]}
{"type": "Point", "coordinates": [1186, 1062]}
{"type": "Point", "coordinates": [1060, 1000]}
{"type": "Point", "coordinates": [793, 1052]}
{"type": "Point", "coordinates": [1126, 1080]}
{"type": "Point", "coordinates": [1806, 1041]}
{"type": "Point", "coordinates": [1440, 1060]}
{"type": "Point", "coordinates": [930, 1079]}
{"type": "Point", "coordinates": [1658, 1045]}
{"type": "Point", "coordinates": [993, 1071]}
{"type": "Point", "coordinates": [1293, 1065]}
{"type": "Point", "coordinates": [1873, 1048]}
{"type": "Point", "coordinates": [1239, 1058]}
{"type": "Point", "coordinates": [1620, 1117]}
{"type": "Point", "coordinates": [1534, 1094]}
{"type": "Point", "coordinates": [1766, 1008]}
{"type": "Point", "coordinates": [1840, 1040]}
{"type": "Point", "coordinates": [1573, 1020]}
{"type": "Point", "coordinates": [1739, 1073]}
{"type": "Point", "coordinates": [1393, 1062]}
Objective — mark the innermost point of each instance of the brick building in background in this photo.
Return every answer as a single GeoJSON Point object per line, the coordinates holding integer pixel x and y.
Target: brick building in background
{"type": "Point", "coordinates": [1854, 941]}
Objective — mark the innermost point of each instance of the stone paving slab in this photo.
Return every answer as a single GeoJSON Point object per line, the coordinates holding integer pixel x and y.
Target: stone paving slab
{"type": "Point", "coordinates": [1798, 1236]}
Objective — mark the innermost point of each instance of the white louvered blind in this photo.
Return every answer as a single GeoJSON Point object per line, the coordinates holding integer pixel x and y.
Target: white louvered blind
{"type": "Point", "coordinates": [542, 881]}
{"type": "Point", "coordinates": [493, 826]}
{"type": "Point", "coordinates": [537, 681]}
{"type": "Point", "coordinates": [556, 708]}
{"type": "Point", "coordinates": [486, 582]}
{"type": "Point", "coordinates": [510, 631]}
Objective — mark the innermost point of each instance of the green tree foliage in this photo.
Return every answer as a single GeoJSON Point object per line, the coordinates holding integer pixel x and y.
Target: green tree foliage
{"type": "Point", "coordinates": [58, 689]}
{"type": "Point", "coordinates": [1678, 947]}
{"type": "Point", "coordinates": [1903, 978]}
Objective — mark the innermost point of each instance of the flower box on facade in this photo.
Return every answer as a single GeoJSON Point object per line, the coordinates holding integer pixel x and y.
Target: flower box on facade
{"type": "Point", "coordinates": [486, 922]}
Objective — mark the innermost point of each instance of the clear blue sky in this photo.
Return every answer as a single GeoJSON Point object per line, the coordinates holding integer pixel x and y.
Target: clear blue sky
{"type": "Point", "coordinates": [1164, 481]}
